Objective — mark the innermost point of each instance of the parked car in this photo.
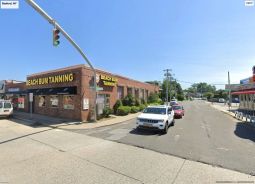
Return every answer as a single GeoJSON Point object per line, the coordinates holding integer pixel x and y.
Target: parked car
{"type": "Point", "coordinates": [156, 117]}
{"type": "Point", "coordinates": [235, 100]}
{"type": "Point", "coordinates": [222, 100]}
{"type": "Point", "coordinates": [6, 108]}
{"type": "Point", "coordinates": [173, 103]}
{"type": "Point", "coordinates": [178, 111]}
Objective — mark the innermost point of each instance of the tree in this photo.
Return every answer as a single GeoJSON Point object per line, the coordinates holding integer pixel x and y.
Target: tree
{"type": "Point", "coordinates": [221, 94]}
{"type": "Point", "coordinates": [174, 89]}
{"type": "Point", "coordinates": [198, 89]}
{"type": "Point", "coordinates": [154, 98]}
{"type": "Point", "coordinates": [208, 95]}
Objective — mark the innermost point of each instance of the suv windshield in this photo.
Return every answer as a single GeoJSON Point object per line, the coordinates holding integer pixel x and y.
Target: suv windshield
{"type": "Point", "coordinates": [177, 107]}
{"type": "Point", "coordinates": [7, 105]}
{"type": "Point", "coordinates": [154, 110]}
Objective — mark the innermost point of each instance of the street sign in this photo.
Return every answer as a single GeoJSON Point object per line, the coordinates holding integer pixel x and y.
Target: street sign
{"type": "Point", "coordinates": [100, 89]}
{"type": "Point", "coordinates": [31, 97]}
{"type": "Point", "coordinates": [249, 2]}
{"type": "Point", "coordinates": [9, 4]}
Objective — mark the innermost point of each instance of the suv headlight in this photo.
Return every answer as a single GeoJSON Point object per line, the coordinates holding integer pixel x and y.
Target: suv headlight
{"type": "Point", "coordinates": [161, 120]}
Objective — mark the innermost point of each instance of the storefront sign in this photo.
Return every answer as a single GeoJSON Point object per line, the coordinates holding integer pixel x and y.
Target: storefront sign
{"type": "Point", "coordinates": [31, 96]}
{"type": "Point", "coordinates": [51, 79]}
{"type": "Point", "coordinates": [68, 102]}
{"type": "Point", "coordinates": [108, 81]}
{"type": "Point", "coordinates": [13, 89]}
{"type": "Point", "coordinates": [21, 103]}
{"type": "Point", "coordinates": [85, 103]}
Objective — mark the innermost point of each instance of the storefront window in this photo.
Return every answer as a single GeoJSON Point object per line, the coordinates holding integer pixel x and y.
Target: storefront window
{"type": "Point", "coordinates": [21, 102]}
{"type": "Point", "coordinates": [41, 101]}
{"type": "Point", "coordinates": [54, 101]}
{"type": "Point", "coordinates": [68, 102]}
{"type": "Point", "coordinates": [120, 91]}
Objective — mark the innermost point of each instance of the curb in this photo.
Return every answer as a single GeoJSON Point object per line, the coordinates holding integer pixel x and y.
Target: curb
{"type": "Point", "coordinates": [110, 124]}
{"type": "Point", "coordinates": [235, 117]}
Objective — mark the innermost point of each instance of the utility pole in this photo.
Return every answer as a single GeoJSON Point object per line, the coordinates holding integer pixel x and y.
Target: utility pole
{"type": "Point", "coordinates": [229, 93]}
{"type": "Point", "coordinates": [167, 74]}
{"type": "Point", "coordinates": [57, 26]}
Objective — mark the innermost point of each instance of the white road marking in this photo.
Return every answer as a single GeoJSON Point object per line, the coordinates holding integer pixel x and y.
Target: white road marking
{"type": "Point", "coordinates": [221, 148]}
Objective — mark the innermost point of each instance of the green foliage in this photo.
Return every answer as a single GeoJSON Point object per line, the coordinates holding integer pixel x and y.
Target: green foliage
{"type": "Point", "coordinates": [142, 101]}
{"type": "Point", "coordinates": [153, 98]}
{"type": "Point", "coordinates": [180, 97]}
{"type": "Point", "coordinates": [208, 95]}
{"type": "Point", "coordinates": [116, 106]}
{"type": "Point", "coordinates": [142, 107]}
{"type": "Point", "coordinates": [137, 102]}
{"type": "Point", "coordinates": [174, 88]}
{"type": "Point", "coordinates": [106, 112]}
{"type": "Point", "coordinates": [135, 109]}
{"type": "Point", "coordinates": [221, 94]}
{"type": "Point", "coordinates": [123, 110]}
{"type": "Point", "coordinates": [129, 100]}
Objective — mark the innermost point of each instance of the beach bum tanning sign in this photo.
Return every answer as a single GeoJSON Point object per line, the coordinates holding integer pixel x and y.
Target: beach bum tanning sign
{"type": "Point", "coordinates": [51, 79]}
{"type": "Point", "coordinates": [108, 81]}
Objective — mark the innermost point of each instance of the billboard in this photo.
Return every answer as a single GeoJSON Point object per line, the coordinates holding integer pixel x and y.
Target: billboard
{"type": "Point", "coordinates": [2, 86]}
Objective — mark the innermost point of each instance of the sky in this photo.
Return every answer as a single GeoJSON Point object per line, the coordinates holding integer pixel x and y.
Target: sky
{"type": "Point", "coordinates": [200, 40]}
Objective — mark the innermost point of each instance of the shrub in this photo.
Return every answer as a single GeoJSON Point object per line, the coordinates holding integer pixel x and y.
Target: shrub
{"type": "Point", "coordinates": [137, 102]}
{"type": "Point", "coordinates": [129, 100]}
{"type": "Point", "coordinates": [142, 101]}
{"type": "Point", "coordinates": [153, 98]}
{"type": "Point", "coordinates": [106, 112]}
{"type": "Point", "coordinates": [180, 97]}
{"type": "Point", "coordinates": [154, 104]}
{"type": "Point", "coordinates": [135, 109]}
{"type": "Point", "coordinates": [116, 106]}
{"type": "Point", "coordinates": [142, 107]}
{"type": "Point", "coordinates": [123, 110]}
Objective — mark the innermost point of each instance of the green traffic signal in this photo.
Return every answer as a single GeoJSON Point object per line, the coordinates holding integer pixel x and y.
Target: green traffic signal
{"type": "Point", "coordinates": [56, 37]}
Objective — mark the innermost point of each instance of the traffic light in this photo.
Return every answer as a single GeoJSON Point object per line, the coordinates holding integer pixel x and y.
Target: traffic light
{"type": "Point", "coordinates": [56, 37]}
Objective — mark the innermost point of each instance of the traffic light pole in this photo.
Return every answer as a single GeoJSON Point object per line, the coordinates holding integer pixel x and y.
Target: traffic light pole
{"type": "Point", "coordinates": [57, 26]}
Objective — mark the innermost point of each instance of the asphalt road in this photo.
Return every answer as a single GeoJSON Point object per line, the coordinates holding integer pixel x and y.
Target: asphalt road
{"type": "Point", "coordinates": [204, 134]}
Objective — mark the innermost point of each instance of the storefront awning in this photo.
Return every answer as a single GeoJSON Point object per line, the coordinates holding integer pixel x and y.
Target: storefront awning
{"type": "Point", "coordinates": [16, 93]}
{"type": "Point", "coordinates": [243, 92]}
{"type": "Point", "coordinates": [54, 91]}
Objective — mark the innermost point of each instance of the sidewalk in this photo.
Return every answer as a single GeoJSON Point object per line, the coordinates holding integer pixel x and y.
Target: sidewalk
{"type": "Point", "coordinates": [38, 119]}
{"type": "Point", "coordinates": [225, 109]}
{"type": "Point", "coordinates": [59, 156]}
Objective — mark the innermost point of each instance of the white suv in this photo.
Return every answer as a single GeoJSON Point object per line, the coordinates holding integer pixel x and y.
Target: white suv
{"type": "Point", "coordinates": [156, 117]}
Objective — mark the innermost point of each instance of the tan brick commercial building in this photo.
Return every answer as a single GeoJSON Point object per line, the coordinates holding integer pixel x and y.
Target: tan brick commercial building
{"type": "Point", "coordinates": [68, 92]}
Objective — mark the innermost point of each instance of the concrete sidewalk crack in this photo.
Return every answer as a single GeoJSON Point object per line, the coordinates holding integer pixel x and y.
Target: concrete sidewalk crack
{"type": "Point", "coordinates": [23, 136]}
{"type": "Point", "coordinates": [55, 148]}
{"type": "Point", "coordinates": [178, 172]}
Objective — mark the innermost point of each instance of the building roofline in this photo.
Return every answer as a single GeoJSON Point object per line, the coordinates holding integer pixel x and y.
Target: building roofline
{"type": "Point", "coordinates": [87, 67]}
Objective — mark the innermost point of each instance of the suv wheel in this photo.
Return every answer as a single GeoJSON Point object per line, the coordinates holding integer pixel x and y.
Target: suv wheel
{"type": "Point", "coordinates": [173, 122]}
{"type": "Point", "coordinates": [165, 129]}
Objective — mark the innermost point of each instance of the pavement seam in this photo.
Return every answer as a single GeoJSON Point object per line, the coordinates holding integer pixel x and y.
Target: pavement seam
{"type": "Point", "coordinates": [23, 136]}
{"type": "Point", "coordinates": [177, 174]}
{"type": "Point", "coordinates": [107, 168]}
{"type": "Point", "coordinates": [47, 144]}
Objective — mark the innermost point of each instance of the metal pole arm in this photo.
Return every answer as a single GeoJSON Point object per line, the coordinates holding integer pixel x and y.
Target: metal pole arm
{"type": "Point", "coordinates": [57, 26]}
